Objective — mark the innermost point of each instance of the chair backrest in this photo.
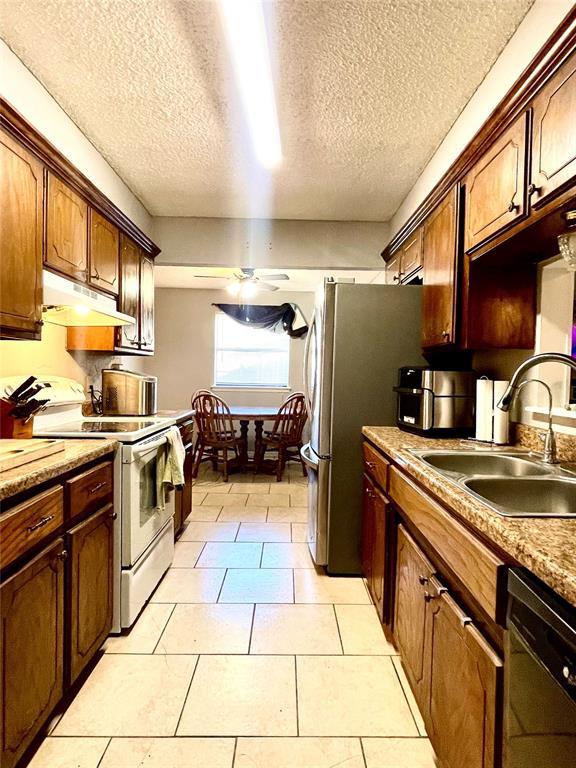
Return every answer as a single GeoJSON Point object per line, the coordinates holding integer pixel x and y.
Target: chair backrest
{"type": "Point", "coordinates": [291, 418]}
{"type": "Point", "coordinates": [212, 417]}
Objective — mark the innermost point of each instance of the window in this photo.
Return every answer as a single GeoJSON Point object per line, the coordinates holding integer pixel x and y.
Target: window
{"type": "Point", "coordinates": [248, 357]}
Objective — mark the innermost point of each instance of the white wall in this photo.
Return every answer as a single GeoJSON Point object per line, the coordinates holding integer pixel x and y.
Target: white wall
{"type": "Point", "coordinates": [531, 35]}
{"type": "Point", "coordinates": [273, 244]}
{"type": "Point", "coordinates": [184, 358]}
{"type": "Point", "coordinates": [29, 97]}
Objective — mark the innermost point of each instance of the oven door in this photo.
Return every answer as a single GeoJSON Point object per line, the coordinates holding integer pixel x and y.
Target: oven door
{"type": "Point", "coordinates": [143, 513]}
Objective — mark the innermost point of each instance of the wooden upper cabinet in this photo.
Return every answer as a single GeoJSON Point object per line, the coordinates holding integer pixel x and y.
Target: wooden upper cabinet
{"type": "Point", "coordinates": [554, 135]}
{"type": "Point", "coordinates": [104, 258]}
{"type": "Point", "coordinates": [147, 303]}
{"type": "Point", "coordinates": [66, 230]}
{"type": "Point", "coordinates": [128, 336]}
{"type": "Point", "coordinates": [461, 712]}
{"type": "Point", "coordinates": [440, 255]}
{"type": "Point", "coordinates": [413, 574]}
{"type": "Point", "coordinates": [495, 195]}
{"type": "Point", "coordinates": [32, 650]}
{"type": "Point", "coordinates": [21, 230]}
{"type": "Point", "coordinates": [90, 593]}
{"type": "Point", "coordinates": [411, 254]}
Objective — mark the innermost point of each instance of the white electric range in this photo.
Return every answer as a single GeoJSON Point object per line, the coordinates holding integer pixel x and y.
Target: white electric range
{"type": "Point", "coordinates": [144, 533]}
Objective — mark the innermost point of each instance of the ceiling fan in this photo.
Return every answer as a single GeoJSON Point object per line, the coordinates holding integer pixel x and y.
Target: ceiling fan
{"type": "Point", "coordinates": [245, 282]}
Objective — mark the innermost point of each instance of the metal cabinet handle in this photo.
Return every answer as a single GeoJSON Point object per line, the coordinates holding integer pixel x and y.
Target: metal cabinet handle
{"type": "Point", "coordinates": [63, 555]}
{"type": "Point", "coordinates": [569, 675]}
{"type": "Point", "coordinates": [423, 579]}
{"type": "Point", "coordinates": [512, 207]}
{"type": "Point", "coordinates": [445, 334]}
{"type": "Point", "coordinates": [370, 494]}
{"type": "Point", "coordinates": [371, 464]}
{"type": "Point", "coordinates": [96, 488]}
{"type": "Point", "coordinates": [533, 189]}
{"type": "Point", "coordinates": [428, 596]}
{"type": "Point", "coordinates": [113, 515]}
{"type": "Point", "coordinates": [397, 278]}
{"type": "Point", "coordinates": [40, 524]}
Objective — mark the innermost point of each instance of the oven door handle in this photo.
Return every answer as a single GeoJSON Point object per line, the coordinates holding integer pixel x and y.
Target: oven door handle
{"type": "Point", "coordinates": [138, 452]}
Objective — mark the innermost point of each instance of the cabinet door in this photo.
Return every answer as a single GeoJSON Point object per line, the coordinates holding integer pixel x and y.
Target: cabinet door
{"type": "Point", "coordinates": [104, 245]}
{"type": "Point", "coordinates": [440, 252]}
{"type": "Point", "coordinates": [21, 227]}
{"type": "Point", "coordinates": [554, 134]}
{"type": "Point", "coordinates": [413, 573]}
{"type": "Point", "coordinates": [128, 336]}
{"type": "Point", "coordinates": [32, 650]}
{"type": "Point", "coordinates": [464, 683]}
{"type": "Point", "coordinates": [147, 303]}
{"type": "Point", "coordinates": [368, 499]}
{"type": "Point", "coordinates": [411, 254]}
{"type": "Point", "coordinates": [392, 270]}
{"type": "Point", "coordinates": [90, 592]}
{"type": "Point", "coordinates": [496, 187]}
{"type": "Point", "coordinates": [66, 230]}
{"type": "Point", "coordinates": [378, 585]}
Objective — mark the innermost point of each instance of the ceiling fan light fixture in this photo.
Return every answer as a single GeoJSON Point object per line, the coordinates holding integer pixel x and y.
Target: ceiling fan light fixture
{"type": "Point", "coordinates": [234, 288]}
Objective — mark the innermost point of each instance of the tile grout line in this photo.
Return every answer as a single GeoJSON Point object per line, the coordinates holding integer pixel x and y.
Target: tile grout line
{"type": "Point", "coordinates": [251, 628]}
{"type": "Point", "coordinates": [187, 694]}
{"type": "Point", "coordinates": [99, 763]}
{"type": "Point", "coordinates": [164, 629]}
{"type": "Point", "coordinates": [338, 628]}
{"type": "Point", "coordinates": [405, 695]}
{"type": "Point", "coordinates": [233, 763]}
{"type": "Point", "coordinates": [362, 750]}
{"type": "Point", "coordinates": [221, 587]}
{"type": "Point", "coordinates": [296, 691]}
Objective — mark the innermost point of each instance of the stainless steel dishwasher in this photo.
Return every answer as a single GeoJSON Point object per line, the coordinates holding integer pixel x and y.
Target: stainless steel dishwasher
{"type": "Point", "coordinates": [540, 678]}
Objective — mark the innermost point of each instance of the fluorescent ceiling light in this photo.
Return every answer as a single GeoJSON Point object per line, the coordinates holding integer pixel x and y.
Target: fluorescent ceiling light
{"type": "Point", "coordinates": [243, 22]}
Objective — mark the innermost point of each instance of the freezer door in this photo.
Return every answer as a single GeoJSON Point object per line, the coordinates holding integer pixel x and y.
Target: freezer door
{"type": "Point", "coordinates": [320, 367]}
{"type": "Point", "coordinates": [318, 503]}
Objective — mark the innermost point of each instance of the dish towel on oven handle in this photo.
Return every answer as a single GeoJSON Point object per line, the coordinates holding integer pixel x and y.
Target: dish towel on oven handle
{"type": "Point", "coordinates": [170, 467]}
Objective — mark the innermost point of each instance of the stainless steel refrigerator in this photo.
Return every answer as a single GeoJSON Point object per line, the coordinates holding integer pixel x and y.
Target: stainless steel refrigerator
{"type": "Point", "coordinates": [359, 336]}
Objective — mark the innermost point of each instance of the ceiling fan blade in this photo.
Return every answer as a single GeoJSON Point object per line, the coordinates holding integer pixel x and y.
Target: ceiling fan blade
{"type": "Point", "coordinates": [213, 277]}
{"type": "Point", "coordinates": [274, 277]}
{"type": "Point", "coordinates": [267, 286]}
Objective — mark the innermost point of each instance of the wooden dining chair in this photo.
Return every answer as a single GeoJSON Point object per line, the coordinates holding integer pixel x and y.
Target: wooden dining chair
{"type": "Point", "coordinates": [216, 434]}
{"type": "Point", "coordinates": [285, 437]}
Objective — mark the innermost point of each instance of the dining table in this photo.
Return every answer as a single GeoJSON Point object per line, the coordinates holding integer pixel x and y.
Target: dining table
{"type": "Point", "coordinates": [257, 414]}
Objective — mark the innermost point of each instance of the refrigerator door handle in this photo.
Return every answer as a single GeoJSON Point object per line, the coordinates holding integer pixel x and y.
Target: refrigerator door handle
{"type": "Point", "coordinates": [306, 458]}
{"type": "Point", "coordinates": [306, 371]}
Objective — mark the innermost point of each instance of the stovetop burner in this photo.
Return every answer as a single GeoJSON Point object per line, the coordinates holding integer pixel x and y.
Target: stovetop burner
{"type": "Point", "coordinates": [113, 426]}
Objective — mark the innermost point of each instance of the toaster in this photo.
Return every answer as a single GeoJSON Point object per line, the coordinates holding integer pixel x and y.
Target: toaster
{"type": "Point", "coordinates": [126, 393]}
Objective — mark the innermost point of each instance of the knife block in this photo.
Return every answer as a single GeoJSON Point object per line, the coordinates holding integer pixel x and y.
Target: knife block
{"type": "Point", "coordinates": [11, 427]}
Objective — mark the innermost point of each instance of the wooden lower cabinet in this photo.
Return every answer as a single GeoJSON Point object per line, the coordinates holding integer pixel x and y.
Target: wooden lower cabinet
{"type": "Point", "coordinates": [454, 673]}
{"type": "Point", "coordinates": [463, 680]}
{"type": "Point", "coordinates": [413, 574]}
{"type": "Point", "coordinates": [374, 546]}
{"type": "Point", "coordinates": [89, 596]}
{"type": "Point", "coordinates": [32, 649]}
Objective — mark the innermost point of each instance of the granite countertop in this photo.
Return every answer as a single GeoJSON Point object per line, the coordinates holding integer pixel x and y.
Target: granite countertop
{"type": "Point", "coordinates": [546, 546]}
{"type": "Point", "coordinates": [75, 453]}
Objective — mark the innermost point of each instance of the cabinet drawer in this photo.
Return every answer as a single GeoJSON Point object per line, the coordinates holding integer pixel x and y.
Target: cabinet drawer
{"type": "Point", "coordinates": [375, 465]}
{"type": "Point", "coordinates": [29, 523]}
{"type": "Point", "coordinates": [91, 490]}
{"type": "Point", "coordinates": [477, 567]}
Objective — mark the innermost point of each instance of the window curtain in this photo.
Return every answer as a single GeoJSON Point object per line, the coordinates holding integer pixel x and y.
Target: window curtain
{"type": "Point", "coordinates": [276, 318]}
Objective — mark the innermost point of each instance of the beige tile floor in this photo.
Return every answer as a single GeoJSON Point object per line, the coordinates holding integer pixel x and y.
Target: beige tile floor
{"type": "Point", "coordinates": [246, 656]}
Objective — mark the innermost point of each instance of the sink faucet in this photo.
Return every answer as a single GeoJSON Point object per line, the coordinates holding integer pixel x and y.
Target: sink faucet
{"type": "Point", "coordinates": [515, 386]}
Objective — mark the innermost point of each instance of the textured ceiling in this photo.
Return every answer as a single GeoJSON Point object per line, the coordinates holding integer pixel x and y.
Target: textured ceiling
{"type": "Point", "coordinates": [365, 92]}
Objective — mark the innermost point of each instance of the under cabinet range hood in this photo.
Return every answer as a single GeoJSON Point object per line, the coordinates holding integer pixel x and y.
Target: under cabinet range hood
{"type": "Point", "coordinates": [70, 304]}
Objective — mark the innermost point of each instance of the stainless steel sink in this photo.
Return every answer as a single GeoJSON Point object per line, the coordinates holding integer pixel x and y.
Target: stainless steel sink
{"type": "Point", "coordinates": [526, 496]}
{"type": "Point", "coordinates": [474, 463]}
{"type": "Point", "coordinates": [513, 483]}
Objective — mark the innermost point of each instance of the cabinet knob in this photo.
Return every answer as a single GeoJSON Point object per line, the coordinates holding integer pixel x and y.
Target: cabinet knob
{"type": "Point", "coordinates": [533, 189]}
{"type": "Point", "coordinates": [423, 579]}
{"type": "Point", "coordinates": [113, 515]}
{"type": "Point", "coordinates": [63, 555]}
{"type": "Point", "coordinates": [512, 207]}
{"type": "Point", "coordinates": [371, 464]}
{"type": "Point", "coordinates": [569, 675]}
{"type": "Point", "coordinates": [428, 596]}
{"type": "Point", "coordinates": [396, 278]}
{"type": "Point", "coordinates": [445, 334]}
